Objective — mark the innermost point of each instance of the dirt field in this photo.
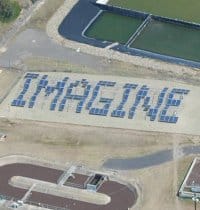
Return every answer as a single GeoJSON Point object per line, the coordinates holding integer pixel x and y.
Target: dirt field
{"type": "Point", "coordinates": [114, 67]}
{"type": "Point", "coordinates": [59, 143]}
{"type": "Point", "coordinates": [160, 185]}
{"type": "Point", "coordinates": [7, 80]}
{"type": "Point", "coordinates": [39, 20]}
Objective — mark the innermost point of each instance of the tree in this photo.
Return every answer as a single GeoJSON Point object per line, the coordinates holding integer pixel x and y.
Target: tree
{"type": "Point", "coordinates": [9, 10]}
{"type": "Point", "coordinates": [5, 9]}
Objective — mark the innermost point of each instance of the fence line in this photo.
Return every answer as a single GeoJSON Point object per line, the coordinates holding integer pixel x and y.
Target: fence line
{"type": "Point", "coordinates": [139, 30]}
{"type": "Point", "coordinates": [144, 15]}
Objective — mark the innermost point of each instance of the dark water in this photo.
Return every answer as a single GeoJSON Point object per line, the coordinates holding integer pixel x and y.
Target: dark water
{"type": "Point", "coordinates": [187, 10]}
{"type": "Point", "coordinates": [170, 39]}
{"type": "Point", "coordinates": [113, 27]}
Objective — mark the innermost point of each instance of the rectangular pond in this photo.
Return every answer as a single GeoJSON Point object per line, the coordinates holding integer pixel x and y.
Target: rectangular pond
{"type": "Point", "coordinates": [170, 39]}
{"type": "Point", "coordinates": [113, 27]}
{"type": "Point", "coordinates": [188, 10]}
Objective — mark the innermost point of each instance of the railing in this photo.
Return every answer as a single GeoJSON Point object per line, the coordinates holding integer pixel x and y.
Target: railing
{"type": "Point", "coordinates": [74, 185]}
{"type": "Point", "coordinates": [122, 11]}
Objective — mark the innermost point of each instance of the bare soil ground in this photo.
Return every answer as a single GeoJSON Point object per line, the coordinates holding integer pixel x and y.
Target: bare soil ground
{"type": "Point", "coordinates": [40, 19]}
{"type": "Point", "coordinates": [114, 67]}
{"type": "Point", "coordinates": [4, 27]}
{"type": "Point", "coordinates": [7, 80]}
{"type": "Point", "coordinates": [93, 145]}
{"type": "Point", "coordinates": [90, 146]}
{"type": "Point", "coordinates": [159, 186]}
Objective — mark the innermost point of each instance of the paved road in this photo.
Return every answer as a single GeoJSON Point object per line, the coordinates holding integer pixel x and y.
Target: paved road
{"type": "Point", "coordinates": [148, 160]}
{"type": "Point", "coordinates": [33, 42]}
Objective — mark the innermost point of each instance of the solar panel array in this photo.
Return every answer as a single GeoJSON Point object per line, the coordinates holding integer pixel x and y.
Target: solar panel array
{"type": "Point", "coordinates": [141, 94]}
{"type": "Point", "coordinates": [107, 101]}
{"type": "Point", "coordinates": [42, 84]}
{"type": "Point", "coordinates": [19, 101]}
{"type": "Point", "coordinates": [89, 98]}
{"type": "Point", "coordinates": [171, 101]}
{"type": "Point", "coordinates": [152, 113]}
{"type": "Point", "coordinates": [119, 112]}
{"type": "Point", "coordinates": [60, 88]}
{"type": "Point", "coordinates": [81, 98]}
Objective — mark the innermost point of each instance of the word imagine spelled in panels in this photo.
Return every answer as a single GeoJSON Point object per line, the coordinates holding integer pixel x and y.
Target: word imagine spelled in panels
{"type": "Point", "coordinates": [126, 100]}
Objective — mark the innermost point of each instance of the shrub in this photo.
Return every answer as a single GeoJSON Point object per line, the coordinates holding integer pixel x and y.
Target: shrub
{"type": "Point", "coordinates": [9, 10]}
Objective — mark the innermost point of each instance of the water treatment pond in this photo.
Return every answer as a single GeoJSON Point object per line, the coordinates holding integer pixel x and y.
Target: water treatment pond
{"type": "Point", "coordinates": [113, 27]}
{"type": "Point", "coordinates": [187, 10]}
{"type": "Point", "coordinates": [170, 39]}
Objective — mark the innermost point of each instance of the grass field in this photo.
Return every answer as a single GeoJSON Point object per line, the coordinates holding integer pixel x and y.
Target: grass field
{"type": "Point", "coordinates": [113, 27]}
{"type": "Point", "coordinates": [181, 9]}
{"type": "Point", "coordinates": [170, 39]}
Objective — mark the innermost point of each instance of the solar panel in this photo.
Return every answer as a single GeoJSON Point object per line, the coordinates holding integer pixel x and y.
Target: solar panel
{"type": "Point", "coordinates": [91, 111]}
{"type": "Point", "coordinates": [131, 115]}
{"type": "Point", "coordinates": [61, 107]}
{"type": "Point", "coordinates": [162, 118]}
{"type": "Point", "coordinates": [129, 85]}
{"type": "Point", "coordinates": [186, 91]}
{"type": "Point", "coordinates": [105, 112]}
{"type": "Point", "coordinates": [78, 109]}
{"type": "Point", "coordinates": [20, 96]}
{"type": "Point", "coordinates": [31, 75]}
{"type": "Point", "coordinates": [26, 86]}
{"type": "Point", "coordinates": [44, 76]}
{"type": "Point", "coordinates": [146, 108]}
{"type": "Point", "coordinates": [14, 102]}
{"type": "Point", "coordinates": [22, 103]}
{"type": "Point", "coordinates": [169, 102]}
{"type": "Point", "coordinates": [52, 107]}
{"type": "Point", "coordinates": [160, 101]}
{"type": "Point", "coordinates": [31, 104]}
{"type": "Point", "coordinates": [163, 112]}
{"type": "Point", "coordinates": [152, 117]}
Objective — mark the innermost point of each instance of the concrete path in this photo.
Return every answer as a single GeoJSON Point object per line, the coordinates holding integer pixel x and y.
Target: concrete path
{"type": "Point", "coordinates": [33, 42]}
{"type": "Point", "coordinates": [149, 160]}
